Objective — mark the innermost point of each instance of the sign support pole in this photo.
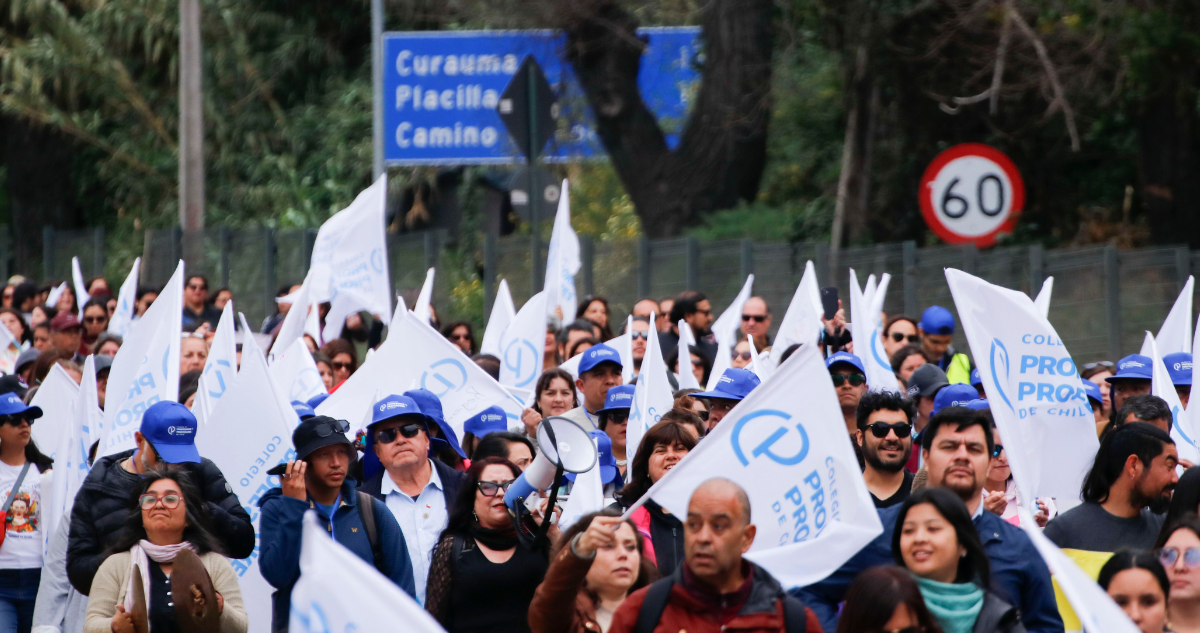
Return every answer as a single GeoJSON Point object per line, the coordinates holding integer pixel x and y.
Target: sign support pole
{"type": "Point", "coordinates": [377, 166]}
{"type": "Point", "coordinates": [537, 269]}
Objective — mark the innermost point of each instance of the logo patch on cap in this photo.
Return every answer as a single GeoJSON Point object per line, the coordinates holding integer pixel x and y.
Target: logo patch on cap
{"type": "Point", "coordinates": [602, 352]}
{"type": "Point", "coordinates": [623, 396]}
{"type": "Point", "coordinates": [914, 390]}
{"type": "Point", "coordinates": [178, 430]}
{"type": "Point", "coordinates": [1131, 363]}
{"type": "Point", "coordinates": [1183, 365]}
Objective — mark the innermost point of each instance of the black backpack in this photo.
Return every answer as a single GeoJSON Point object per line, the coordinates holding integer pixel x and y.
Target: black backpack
{"type": "Point", "coordinates": [366, 511]}
{"type": "Point", "coordinates": [657, 595]}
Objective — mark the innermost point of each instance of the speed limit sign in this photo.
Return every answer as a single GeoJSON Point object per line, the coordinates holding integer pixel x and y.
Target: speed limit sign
{"type": "Point", "coordinates": [971, 193]}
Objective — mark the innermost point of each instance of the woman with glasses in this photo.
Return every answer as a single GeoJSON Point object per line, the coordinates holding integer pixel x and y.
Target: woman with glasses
{"type": "Point", "coordinates": [554, 394]}
{"type": "Point", "coordinates": [663, 446]}
{"type": "Point", "coordinates": [462, 335]}
{"type": "Point", "coordinates": [21, 488]}
{"type": "Point", "coordinates": [899, 331]}
{"type": "Point", "coordinates": [595, 309]}
{"type": "Point", "coordinates": [741, 355]}
{"type": "Point", "coordinates": [1137, 582]}
{"type": "Point", "coordinates": [936, 541]}
{"type": "Point", "coordinates": [343, 359]}
{"type": "Point", "coordinates": [1178, 550]}
{"type": "Point", "coordinates": [886, 599]}
{"type": "Point", "coordinates": [481, 578]}
{"type": "Point", "coordinates": [168, 517]}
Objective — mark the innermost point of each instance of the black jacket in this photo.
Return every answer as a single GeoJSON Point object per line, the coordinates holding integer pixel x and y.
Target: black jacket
{"type": "Point", "coordinates": [451, 482]}
{"type": "Point", "coordinates": [997, 616]}
{"type": "Point", "coordinates": [104, 501]}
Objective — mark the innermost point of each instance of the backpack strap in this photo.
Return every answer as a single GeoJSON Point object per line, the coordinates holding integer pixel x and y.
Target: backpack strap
{"type": "Point", "coordinates": [653, 606]}
{"type": "Point", "coordinates": [795, 619]}
{"type": "Point", "coordinates": [366, 510]}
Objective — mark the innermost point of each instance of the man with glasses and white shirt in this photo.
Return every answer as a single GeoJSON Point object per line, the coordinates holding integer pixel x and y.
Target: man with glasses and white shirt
{"type": "Point", "coordinates": [885, 437]}
{"type": "Point", "coordinates": [756, 321]}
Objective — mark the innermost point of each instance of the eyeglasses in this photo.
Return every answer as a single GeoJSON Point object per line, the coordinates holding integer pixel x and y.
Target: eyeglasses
{"type": "Point", "coordinates": [741, 355]}
{"type": "Point", "coordinates": [169, 501]}
{"type": "Point", "coordinates": [899, 336]}
{"type": "Point", "coordinates": [997, 449]}
{"type": "Point", "coordinates": [340, 366]}
{"type": "Point", "coordinates": [95, 319]}
{"type": "Point", "coordinates": [640, 334]}
{"type": "Point", "coordinates": [491, 488]}
{"type": "Point", "coordinates": [325, 429]}
{"type": "Point", "coordinates": [758, 318]}
{"type": "Point", "coordinates": [881, 429]}
{"type": "Point", "coordinates": [856, 380]}
{"type": "Point", "coordinates": [707, 312]}
{"type": "Point", "coordinates": [387, 436]}
{"type": "Point", "coordinates": [1169, 555]}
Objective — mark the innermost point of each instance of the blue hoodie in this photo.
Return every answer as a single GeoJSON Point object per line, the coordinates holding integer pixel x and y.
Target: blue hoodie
{"type": "Point", "coordinates": [281, 525]}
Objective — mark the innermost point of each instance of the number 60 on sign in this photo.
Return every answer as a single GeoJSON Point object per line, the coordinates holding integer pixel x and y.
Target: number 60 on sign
{"type": "Point", "coordinates": [970, 194]}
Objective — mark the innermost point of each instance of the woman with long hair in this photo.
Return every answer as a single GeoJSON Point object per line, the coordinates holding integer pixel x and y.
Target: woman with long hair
{"type": "Point", "coordinates": [663, 446]}
{"type": "Point", "coordinates": [462, 335]}
{"type": "Point", "coordinates": [554, 394]}
{"type": "Point", "coordinates": [481, 578]}
{"type": "Point", "coordinates": [885, 598]}
{"type": "Point", "coordinates": [343, 359]}
{"type": "Point", "coordinates": [22, 485]}
{"type": "Point", "coordinates": [936, 541]}
{"type": "Point", "coordinates": [1178, 549]}
{"type": "Point", "coordinates": [1137, 582]}
{"type": "Point", "coordinates": [595, 309]}
{"type": "Point", "coordinates": [167, 516]}
{"type": "Point", "coordinates": [598, 562]}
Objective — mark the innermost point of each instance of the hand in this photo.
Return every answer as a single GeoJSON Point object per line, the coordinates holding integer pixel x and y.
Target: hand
{"type": "Point", "coordinates": [293, 480]}
{"type": "Point", "coordinates": [198, 599]}
{"type": "Point", "coordinates": [531, 419]}
{"type": "Point", "coordinates": [602, 532]}
{"type": "Point", "coordinates": [835, 325]}
{"type": "Point", "coordinates": [122, 622]}
{"type": "Point", "coordinates": [1043, 515]}
{"type": "Point", "coordinates": [1186, 464]}
{"type": "Point", "coordinates": [995, 503]}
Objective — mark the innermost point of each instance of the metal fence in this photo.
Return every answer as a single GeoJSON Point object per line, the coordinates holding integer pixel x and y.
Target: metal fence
{"type": "Point", "coordinates": [1104, 299]}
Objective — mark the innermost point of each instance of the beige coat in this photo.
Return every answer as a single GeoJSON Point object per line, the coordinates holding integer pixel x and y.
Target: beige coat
{"type": "Point", "coordinates": [112, 581]}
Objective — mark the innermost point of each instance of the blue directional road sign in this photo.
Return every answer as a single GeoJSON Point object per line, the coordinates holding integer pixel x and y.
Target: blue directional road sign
{"type": "Point", "coordinates": [441, 90]}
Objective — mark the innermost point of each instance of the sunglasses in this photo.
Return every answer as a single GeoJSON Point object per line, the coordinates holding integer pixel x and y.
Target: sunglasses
{"type": "Point", "coordinates": [169, 501]}
{"type": "Point", "coordinates": [204, 288]}
{"type": "Point", "coordinates": [491, 488]}
{"type": "Point", "coordinates": [899, 337]}
{"type": "Point", "coordinates": [741, 355]}
{"type": "Point", "coordinates": [95, 319]}
{"type": "Point", "coordinates": [758, 318]}
{"type": "Point", "coordinates": [856, 380]}
{"type": "Point", "coordinates": [642, 334]}
{"type": "Point", "coordinates": [325, 429]}
{"type": "Point", "coordinates": [996, 450]}
{"type": "Point", "coordinates": [881, 429]}
{"type": "Point", "coordinates": [459, 337]}
{"type": "Point", "coordinates": [387, 436]}
{"type": "Point", "coordinates": [1168, 556]}
{"type": "Point", "coordinates": [703, 415]}
{"type": "Point", "coordinates": [618, 418]}
{"type": "Point", "coordinates": [14, 420]}
{"type": "Point", "coordinates": [1107, 364]}
{"type": "Point", "coordinates": [340, 366]}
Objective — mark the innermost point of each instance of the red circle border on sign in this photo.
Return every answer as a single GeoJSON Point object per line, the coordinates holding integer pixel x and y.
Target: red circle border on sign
{"type": "Point", "coordinates": [924, 198]}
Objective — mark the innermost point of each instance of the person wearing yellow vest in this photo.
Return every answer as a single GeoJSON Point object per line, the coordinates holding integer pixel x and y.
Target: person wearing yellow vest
{"type": "Point", "coordinates": [937, 329]}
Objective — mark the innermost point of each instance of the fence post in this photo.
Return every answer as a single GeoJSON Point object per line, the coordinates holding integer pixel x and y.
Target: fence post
{"type": "Point", "coordinates": [98, 251]}
{"type": "Point", "coordinates": [909, 251]}
{"type": "Point", "coordinates": [643, 270]}
{"type": "Point", "coordinates": [310, 242]}
{"type": "Point", "coordinates": [970, 259]}
{"type": "Point", "coordinates": [692, 263]}
{"type": "Point", "coordinates": [746, 263]}
{"type": "Point", "coordinates": [224, 237]}
{"type": "Point", "coordinates": [489, 273]}
{"type": "Point", "coordinates": [1183, 266]}
{"type": "Point", "coordinates": [587, 260]}
{"type": "Point", "coordinates": [269, 270]}
{"type": "Point", "coordinates": [1112, 300]}
{"type": "Point", "coordinates": [1037, 268]}
{"type": "Point", "coordinates": [48, 252]}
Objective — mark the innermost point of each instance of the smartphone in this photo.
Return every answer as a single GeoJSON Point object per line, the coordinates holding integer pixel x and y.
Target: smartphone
{"type": "Point", "coordinates": [829, 301]}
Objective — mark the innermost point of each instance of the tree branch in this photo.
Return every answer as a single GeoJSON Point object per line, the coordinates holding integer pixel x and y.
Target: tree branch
{"type": "Point", "coordinates": [1060, 99]}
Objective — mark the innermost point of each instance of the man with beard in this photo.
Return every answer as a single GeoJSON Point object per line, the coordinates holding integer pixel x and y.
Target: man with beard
{"type": "Point", "coordinates": [884, 436]}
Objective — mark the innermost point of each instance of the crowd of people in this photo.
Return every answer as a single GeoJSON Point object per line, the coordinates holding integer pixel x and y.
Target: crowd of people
{"type": "Point", "coordinates": [427, 509]}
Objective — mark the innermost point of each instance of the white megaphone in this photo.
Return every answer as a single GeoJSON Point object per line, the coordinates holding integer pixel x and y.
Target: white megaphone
{"type": "Point", "coordinates": [563, 446]}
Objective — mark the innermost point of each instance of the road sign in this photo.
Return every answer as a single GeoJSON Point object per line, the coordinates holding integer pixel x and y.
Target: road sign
{"type": "Point", "coordinates": [441, 91]}
{"type": "Point", "coordinates": [971, 193]}
{"type": "Point", "coordinates": [528, 99]}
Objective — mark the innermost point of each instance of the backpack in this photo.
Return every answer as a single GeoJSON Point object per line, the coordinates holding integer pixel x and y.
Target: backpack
{"type": "Point", "coordinates": [366, 511]}
{"type": "Point", "coordinates": [657, 595]}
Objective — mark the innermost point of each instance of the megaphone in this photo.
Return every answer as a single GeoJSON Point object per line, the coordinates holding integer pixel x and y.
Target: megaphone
{"type": "Point", "coordinates": [563, 446]}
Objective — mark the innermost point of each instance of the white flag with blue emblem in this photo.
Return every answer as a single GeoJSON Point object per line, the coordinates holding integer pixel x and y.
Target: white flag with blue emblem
{"type": "Point", "coordinates": [350, 262]}
{"type": "Point", "coordinates": [866, 311]}
{"type": "Point", "coordinates": [1161, 385]}
{"type": "Point", "coordinates": [802, 321]}
{"type": "Point", "coordinates": [337, 591]}
{"type": "Point", "coordinates": [503, 312]}
{"type": "Point", "coordinates": [1175, 335]}
{"type": "Point", "coordinates": [71, 451]}
{"type": "Point", "coordinates": [794, 459]}
{"type": "Point", "coordinates": [652, 397]}
{"type": "Point", "coordinates": [523, 343]}
{"type": "Point", "coordinates": [122, 318]}
{"type": "Point", "coordinates": [1043, 299]}
{"type": "Point", "coordinates": [562, 261]}
{"type": "Point", "coordinates": [1033, 386]}
{"type": "Point", "coordinates": [81, 293]}
{"type": "Point", "coordinates": [145, 369]}
{"type": "Point", "coordinates": [221, 366]}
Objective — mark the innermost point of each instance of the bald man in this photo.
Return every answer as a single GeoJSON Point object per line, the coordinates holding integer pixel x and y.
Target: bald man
{"type": "Point", "coordinates": [645, 308]}
{"type": "Point", "coordinates": [716, 588]}
{"type": "Point", "coordinates": [756, 321]}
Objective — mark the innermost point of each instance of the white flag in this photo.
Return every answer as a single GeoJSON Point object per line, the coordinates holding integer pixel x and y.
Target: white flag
{"type": "Point", "coordinates": [1193, 412]}
{"type": "Point", "coordinates": [758, 365]}
{"type": "Point", "coordinates": [81, 293]}
{"type": "Point", "coordinates": [294, 321]}
{"type": "Point", "coordinates": [146, 368]}
{"type": "Point", "coordinates": [624, 346]}
{"type": "Point", "coordinates": [1037, 399]}
{"type": "Point", "coordinates": [723, 361]}
{"type": "Point", "coordinates": [248, 434]}
{"type": "Point", "coordinates": [1096, 610]}
{"type": "Point", "coordinates": [562, 261]}
{"type": "Point", "coordinates": [652, 397]}
{"type": "Point", "coordinates": [1175, 335]}
{"type": "Point", "coordinates": [867, 326]}
{"type": "Point", "coordinates": [337, 591]}
{"type": "Point", "coordinates": [683, 359]}
{"type": "Point", "coordinates": [221, 366]}
{"type": "Point", "coordinates": [122, 318]}
{"type": "Point", "coordinates": [503, 312]}
{"type": "Point", "coordinates": [522, 345]}
{"type": "Point", "coordinates": [56, 293]}
{"type": "Point", "coordinates": [794, 460]}
{"type": "Point", "coordinates": [421, 307]}
{"type": "Point", "coordinates": [350, 262]}
{"type": "Point", "coordinates": [71, 451]}
{"type": "Point", "coordinates": [1182, 430]}
{"type": "Point", "coordinates": [56, 398]}
{"type": "Point", "coordinates": [1043, 299]}
{"type": "Point", "coordinates": [296, 374]}
{"type": "Point", "coordinates": [312, 324]}
{"type": "Point", "coordinates": [587, 495]}
{"type": "Point", "coordinates": [726, 325]}
{"type": "Point", "coordinates": [416, 356]}
{"type": "Point", "coordinates": [802, 322]}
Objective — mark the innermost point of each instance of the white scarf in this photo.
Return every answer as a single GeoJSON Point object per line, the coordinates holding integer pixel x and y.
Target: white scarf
{"type": "Point", "coordinates": [140, 556]}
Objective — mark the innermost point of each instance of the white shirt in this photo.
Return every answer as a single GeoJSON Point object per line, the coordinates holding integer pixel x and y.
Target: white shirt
{"type": "Point", "coordinates": [421, 520]}
{"type": "Point", "coordinates": [22, 548]}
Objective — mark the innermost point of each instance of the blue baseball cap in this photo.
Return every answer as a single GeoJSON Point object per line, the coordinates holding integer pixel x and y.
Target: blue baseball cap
{"type": "Point", "coordinates": [597, 354]}
{"type": "Point", "coordinates": [978, 404]}
{"type": "Point", "coordinates": [956, 395]}
{"type": "Point", "coordinates": [171, 430]}
{"type": "Point", "coordinates": [734, 384]}
{"type": "Point", "coordinates": [316, 400]}
{"type": "Point", "coordinates": [976, 380]}
{"type": "Point", "coordinates": [12, 404]}
{"type": "Point", "coordinates": [1133, 367]}
{"type": "Point", "coordinates": [394, 406]}
{"type": "Point", "coordinates": [490, 420]}
{"type": "Point", "coordinates": [605, 460]}
{"type": "Point", "coordinates": [431, 406]}
{"type": "Point", "coordinates": [937, 320]}
{"type": "Point", "coordinates": [1093, 391]}
{"type": "Point", "coordinates": [303, 410]}
{"type": "Point", "coordinates": [1179, 366]}
{"type": "Point", "coordinates": [619, 398]}
{"type": "Point", "coordinates": [845, 358]}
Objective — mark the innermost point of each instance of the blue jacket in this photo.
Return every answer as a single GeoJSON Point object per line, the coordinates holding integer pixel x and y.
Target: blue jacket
{"type": "Point", "coordinates": [1019, 575]}
{"type": "Point", "coordinates": [281, 525]}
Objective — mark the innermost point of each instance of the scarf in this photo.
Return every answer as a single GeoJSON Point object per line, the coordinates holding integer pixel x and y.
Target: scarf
{"type": "Point", "coordinates": [493, 538]}
{"type": "Point", "coordinates": [955, 605]}
{"type": "Point", "coordinates": [140, 555]}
